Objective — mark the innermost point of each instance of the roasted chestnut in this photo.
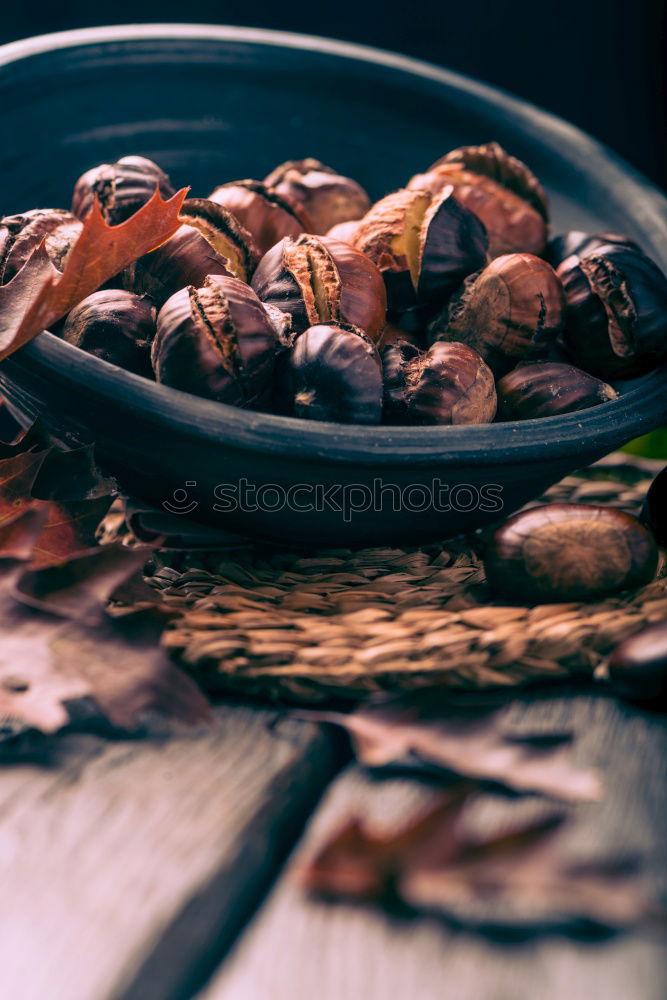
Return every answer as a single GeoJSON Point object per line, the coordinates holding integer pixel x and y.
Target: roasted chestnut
{"type": "Point", "coordinates": [511, 311]}
{"type": "Point", "coordinates": [616, 316]}
{"type": "Point", "coordinates": [548, 388]}
{"type": "Point", "coordinates": [449, 384]}
{"type": "Point", "coordinates": [216, 341]}
{"type": "Point", "coordinates": [499, 189]}
{"type": "Point", "coordinates": [345, 231]}
{"type": "Point", "coordinates": [210, 241]}
{"type": "Point", "coordinates": [116, 326]}
{"type": "Point", "coordinates": [637, 668]}
{"type": "Point", "coordinates": [580, 243]}
{"type": "Point", "coordinates": [319, 193]}
{"type": "Point", "coordinates": [423, 244]}
{"type": "Point", "coordinates": [315, 280]}
{"type": "Point", "coordinates": [569, 552]}
{"type": "Point", "coordinates": [331, 373]}
{"type": "Point", "coordinates": [396, 358]}
{"type": "Point", "coordinates": [121, 188]}
{"type": "Point", "coordinates": [21, 234]}
{"type": "Point", "coordinates": [654, 511]}
{"type": "Point", "coordinates": [266, 215]}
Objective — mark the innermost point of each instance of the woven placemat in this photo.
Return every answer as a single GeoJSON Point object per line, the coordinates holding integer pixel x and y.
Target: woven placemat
{"type": "Point", "coordinates": [344, 624]}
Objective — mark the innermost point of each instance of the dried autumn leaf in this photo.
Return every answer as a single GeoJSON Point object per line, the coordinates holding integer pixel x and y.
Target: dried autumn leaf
{"type": "Point", "coordinates": [17, 475]}
{"type": "Point", "coordinates": [516, 877]}
{"type": "Point", "coordinates": [40, 294]}
{"type": "Point", "coordinates": [68, 532]}
{"type": "Point", "coordinates": [18, 536]}
{"type": "Point", "coordinates": [422, 730]}
{"type": "Point", "coordinates": [71, 475]}
{"type": "Point", "coordinates": [80, 588]}
{"type": "Point", "coordinates": [46, 665]}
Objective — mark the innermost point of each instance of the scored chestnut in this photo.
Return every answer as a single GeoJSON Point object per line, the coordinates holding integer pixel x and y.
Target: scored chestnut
{"type": "Point", "coordinates": [121, 188]}
{"type": "Point", "coordinates": [216, 341]}
{"type": "Point", "coordinates": [499, 189]}
{"type": "Point", "coordinates": [319, 193]}
{"type": "Point", "coordinates": [654, 511]}
{"type": "Point", "coordinates": [637, 669]}
{"type": "Point", "coordinates": [580, 243]}
{"type": "Point", "coordinates": [449, 384]}
{"type": "Point", "coordinates": [423, 244]}
{"type": "Point", "coordinates": [116, 326]}
{"type": "Point", "coordinates": [547, 388]}
{"type": "Point", "coordinates": [616, 311]}
{"type": "Point", "coordinates": [396, 357]}
{"type": "Point", "coordinates": [569, 552]}
{"type": "Point", "coordinates": [331, 373]}
{"type": "Point", "coordinates": [21, 234]}
{"type": "Point", "coordinates": [511, 311]}
{"type": "Point", "coordinates": [315, 280]}
{"type": "Point", "coordinates": [210, 241]}
{"type": "Point", "coordinates": [265, 214]}
{"type": "Point", "coordinates": [345, 231]}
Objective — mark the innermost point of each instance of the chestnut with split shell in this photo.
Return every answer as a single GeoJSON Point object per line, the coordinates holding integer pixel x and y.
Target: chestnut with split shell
{"type": "Point", "coordinates": [319, 193]}
{"type": "Point", "coordinates": [331, 373]}
{"type": "Point", "coordinates": [569, 552]}
{"type": "Point", "coordinates": [116, 326]}
{"type": "Point", "coordinates": [121, 188]}
{"type": "Point", "coordinates": [265, 214]}
{"type": "Point", "coordinates": [210, 241]}
{"type": "Point", "coordinates": [582, 244]}
{"type": "Point", "coordinates": [512, 311]}
{"type": "Point", "coordinates": [423, 244]}
{"type": "Point", "coordinates": [316, 280]}
{"type": "Point", "coordinates": [216, 341]}
{"type": "Point", "coordinates": [616, 311]}
{"type": "Point", "coordinates": [548, 388]}
{"type": "Point", "coordinates": [502, 192]}
{"type": "Point", "coordinates": [449, 384]}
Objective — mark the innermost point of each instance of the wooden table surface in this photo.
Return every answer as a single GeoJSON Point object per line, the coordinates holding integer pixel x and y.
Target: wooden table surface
{"type": "Point", "coordinates": [161, 868]}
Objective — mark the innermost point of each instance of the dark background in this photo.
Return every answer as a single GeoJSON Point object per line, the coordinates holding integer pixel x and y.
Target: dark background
{"type": "Point", "coordinates": [598, 63]}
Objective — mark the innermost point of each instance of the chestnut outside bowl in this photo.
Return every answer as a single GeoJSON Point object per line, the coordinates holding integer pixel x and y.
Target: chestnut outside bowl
{"type": "Point", "coordinates": [215, 103]}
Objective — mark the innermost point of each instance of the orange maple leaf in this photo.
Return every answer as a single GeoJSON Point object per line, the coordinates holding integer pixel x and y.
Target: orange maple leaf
{"type": "Point", "coordinates": [40, 294]}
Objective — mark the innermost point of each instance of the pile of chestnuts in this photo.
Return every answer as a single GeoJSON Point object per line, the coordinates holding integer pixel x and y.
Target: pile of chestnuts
{"type": "Point", "coordinates": [442, 303]}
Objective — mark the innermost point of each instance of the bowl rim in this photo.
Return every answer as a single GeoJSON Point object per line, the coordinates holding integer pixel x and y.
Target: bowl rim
{"type": "Point", "coordinates": [543, 439]}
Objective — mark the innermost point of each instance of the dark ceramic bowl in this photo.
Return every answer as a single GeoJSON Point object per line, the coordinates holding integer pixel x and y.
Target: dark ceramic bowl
{"type": "Point", "coordinates": [214, 103]}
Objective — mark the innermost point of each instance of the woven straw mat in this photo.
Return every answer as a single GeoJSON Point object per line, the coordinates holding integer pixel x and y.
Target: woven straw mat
{"type": "Point", "coordinates": [345, 624]}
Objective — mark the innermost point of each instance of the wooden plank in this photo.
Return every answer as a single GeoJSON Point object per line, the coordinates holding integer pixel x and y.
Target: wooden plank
{"type": "Point", "coordinates": [299, 948]}
{"type": "Point", "coordinates": [126, 865]}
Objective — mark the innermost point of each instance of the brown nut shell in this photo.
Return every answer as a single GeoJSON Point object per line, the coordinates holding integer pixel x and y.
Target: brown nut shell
{"type": "Point", "coordinates": [21, 234]}
{"type": "Point", "coordinates": [654, 511]}
{"type": "Point", "coordinates": [500, 190]}
{"type": "Point", "coordinates": [616, 316]}
{"type": "Point", "coordinates": [316, 280]}
{"type": "Point", "coordinates": [266, 215]}
{"type": "Point", "coordinates": [637, 668]}
{"type": "Point", "coordinates": [548, 388]}
{"type": "Point", "coordinates": [396, 357]}
{"type": "Point", "coordinates": [116, 326]}
{"type": "Point", "coordinates": [210, 241]}
{"type": "Point", "coordinates": [331, 373]}
{"type": "Point", "coordinates": [121, 188]}
{"type": "Point", "coordinates": [575, 241]}
{"type": "Point", "coordinates": [569, 552]}
{"type": "Point", "coordinates": [216, 341]}
{"type": "Point", "coordinates": [423, 244]}
{"type": "Point", "coordinates": [450, 384]}
{"type": "Point", "coordinates": [319, 193]}
{"type": "Point", "coordinates": [510, 312]}
{"type": "Point", "coordinates": [346, 232]}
